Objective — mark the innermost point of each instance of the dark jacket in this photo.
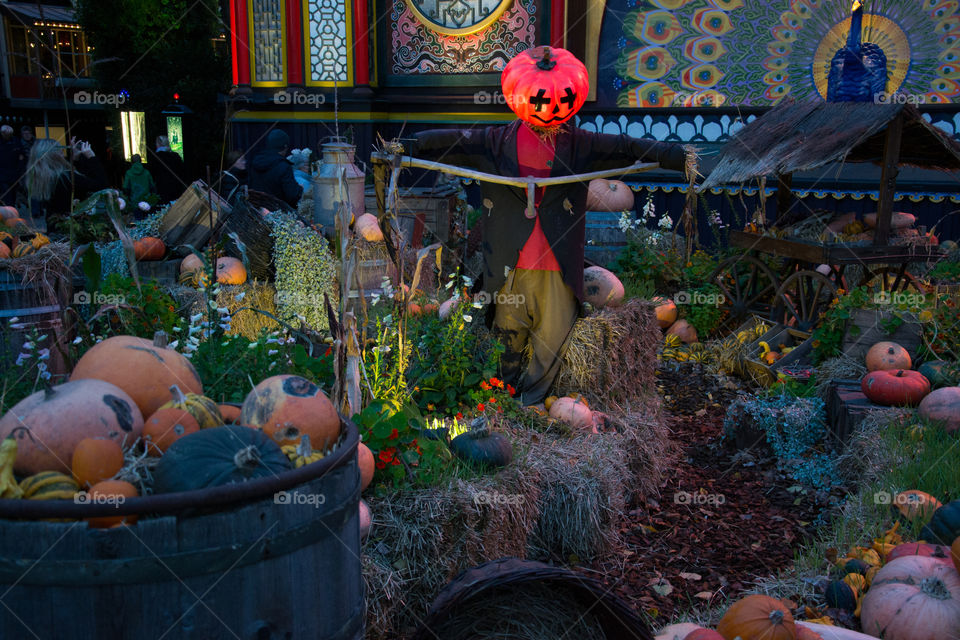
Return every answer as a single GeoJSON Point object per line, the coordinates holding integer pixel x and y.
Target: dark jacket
{"type": "Point", "coordinates": [505, 227]}
{"type": "Point", "coordinates": [169, 174]}
{"type": "Point", "coordinates": [228, 185]}
{"type": "Point", "coordinates": [272, 173]}
{"type": "Point", "coordinates": [11, 168]}
{"type": "Point", "coordinates": [138, 183]}
{"type": "Point", "coordinates": [88, 176]}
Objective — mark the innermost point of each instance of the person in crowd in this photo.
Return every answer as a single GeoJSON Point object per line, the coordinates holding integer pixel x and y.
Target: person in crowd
{"type": "Point", "coordinates": [272, 173]}
{"type": "Point", "coordinates": [26, 140]}
{"type": "Point", "coordinates": [53, 182]}
{"type": "Point", "coordinates": [137, 182]}
{"type": "Point", "coordinates": [300, 159]}
{"type": "Point", "coordinates": [11, 166]}
{"type": "Point", "coordinates": [233, 177]}
{"type": "Point", "coordinates": [168, 171]}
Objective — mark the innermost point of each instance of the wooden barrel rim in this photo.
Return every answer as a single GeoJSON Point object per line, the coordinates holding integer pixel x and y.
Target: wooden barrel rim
{"type": "Point", "coordinates": [164, 503]}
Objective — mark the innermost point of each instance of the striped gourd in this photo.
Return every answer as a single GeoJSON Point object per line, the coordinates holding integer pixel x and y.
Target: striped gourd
{"type": "Point", "coordinates": [49, 485]}
{"type": "Point", "coordinates": [205, 410]}
{"type": "Point", "coordinates": [39, 240]}
{"type": "Point", "coordinates": [24, 249]}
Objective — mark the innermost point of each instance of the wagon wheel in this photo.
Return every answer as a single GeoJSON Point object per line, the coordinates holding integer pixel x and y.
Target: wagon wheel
{"type": "Point", "coordinates": [747, 285]}
{"type": "Point", "coordinates": [802, 297]}
{"type": "Point", "coordinates": [891, 279]}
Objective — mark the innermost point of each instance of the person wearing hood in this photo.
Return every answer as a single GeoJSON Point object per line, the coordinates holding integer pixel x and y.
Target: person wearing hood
{"type": "Point", "coordinates": [272, 173]}
{"type": "Point", "coordinates": [168, 170]}
{"type": "Point", "coordinates": [137, 182]}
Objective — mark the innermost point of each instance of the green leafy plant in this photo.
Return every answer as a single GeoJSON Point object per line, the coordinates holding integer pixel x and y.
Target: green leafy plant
{"type": "Point", "coordinates": [28, 372]}
{"type": "Point", "coordinates": [306, 270]}
{"type": "Point", "coordinates": [705, 316]}
{"type": "Point", "coordinates": [128, 310]}
{"type": "Point", "coordinates": [945, 271]}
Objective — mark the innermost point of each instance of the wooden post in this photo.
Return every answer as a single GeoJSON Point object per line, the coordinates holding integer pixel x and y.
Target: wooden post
{"type": "Point", "coordinates": [888, 180]}
{"type": "Point", "coordinates": [784, 194]}
{"type": "Point", "coordinates": [380, 183]}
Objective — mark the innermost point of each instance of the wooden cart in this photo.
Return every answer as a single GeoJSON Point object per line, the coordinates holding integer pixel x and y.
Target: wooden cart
{"type": "Point", "coordinates": [800, 137]}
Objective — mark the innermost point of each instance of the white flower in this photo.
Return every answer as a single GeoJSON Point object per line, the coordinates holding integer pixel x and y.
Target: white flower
{"type": "Point", "coordinates": [240, 296]}
{"type": "Point", "coordinates": [448, 285]}
{"type": "Point", "coordinates": [196, 318]}
{"type": "Point", "coordinates": [665, 222]}
{"type": "Point", "coordinates": [43, 354]}
{"type": "Point", "coordinates": [478, 305]}
{"type": "Point", "coordinates": [14, 319]}
{"type": "Point", "coordinates": [28, 346]}
{"type": "Point", "coordinates": [143, 206]}
{"type": "Point", "coordinates": [272, 352]}
{"type": "Point", "coordinates": [22, 358]}
{"type": "Point", "coordinates": [121, 203]}
{"type": "Point", "coordinates": [467, 318]}
{"type": "Point", "coordinates": [78, 340]}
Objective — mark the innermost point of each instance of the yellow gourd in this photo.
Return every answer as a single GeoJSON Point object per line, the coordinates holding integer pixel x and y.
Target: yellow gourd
{"type": "Point", "coordinates": [303, 453]}
{"type": "Point", "coordinates": [8, 454]}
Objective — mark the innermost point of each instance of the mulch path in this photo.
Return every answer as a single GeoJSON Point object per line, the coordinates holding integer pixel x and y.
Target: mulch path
{"type": "Point", "coordinates": [719, 522]}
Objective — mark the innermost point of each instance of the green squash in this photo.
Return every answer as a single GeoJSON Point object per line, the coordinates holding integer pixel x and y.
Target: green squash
{"type": "Point", "coordinates": [218, 456]}
{"type": "Point", "coordinates": [840, 596]}
{"type": "Point", "coordinates": [944, 526]}
{"type": "Point", "coordinates": [483, 447]}
{"type": "Point", "coordinates": [940, 373]}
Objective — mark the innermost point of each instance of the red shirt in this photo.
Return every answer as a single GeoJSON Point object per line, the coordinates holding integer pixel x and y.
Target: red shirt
{"type": "Point", "coordinates": [535, 158]}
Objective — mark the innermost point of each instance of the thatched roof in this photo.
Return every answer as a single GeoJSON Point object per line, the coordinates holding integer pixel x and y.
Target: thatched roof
{"type": "Point", "coordinates": [799, 136]}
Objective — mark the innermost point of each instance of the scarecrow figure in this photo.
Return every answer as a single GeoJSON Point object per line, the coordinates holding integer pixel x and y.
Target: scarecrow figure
{"type": "Point", "coordinates": [533, 260]}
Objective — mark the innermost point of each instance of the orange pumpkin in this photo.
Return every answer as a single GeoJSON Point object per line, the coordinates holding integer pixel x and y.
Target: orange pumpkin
{"type": "Point", "coordinates": [366, 463]}
{"type": "Point", "coordinates": [955, 553]}
{"type": "Point", "coordinates": [683, 330]}
{"type": "Point", "coordinates": [230, 413]}
{"type": "Point", "coordinates": [368, 227]}
{"type": "Point", "coordinates": [447, 308]}
{"type": "Point", "coordinates": [366, 519]}
{"type": "Point", "coordinates": [942, 406]}
{"type": "Point", "coordinates": [545, 86]}
{"type": "Point", "coordinates": [915, 504]}
{"type": "Point", "coordinates": [804, 633]}
{"type": "Point", "coordinates": [165, 427]}
{"type": "Point", "coordinates": [190, 264]}
{"type": "Point", "coordinates": [4, 251]}
{"type": "Point", "coordinates": [13, 223]}
{"type": "Point", "coordinates": [897, 388]}
{"type": "Point", "coordinates": [117, 490]}
{"type": "Point", "coordinates": [149, 249]}
{"type": "Point", "coordinates": [704, 634]}
{"type": "Point", "coordinates": [602, 288]}
{"type": "Point", "coordinates": [8, 212]}
{"type": "Point", "coordinates": [142, 368]}
{"type": "Point", "coordinates": [887, 355]}
{"type": "Point", "coordinates": [609, 195]}
{"type": "Point", "coordinates": [667, 312]}
{"type": "Point", "coordinates": [287, 407]}
{"type": "Point", "coordinates": [757, 617]}
{"type": "Point", "coordinates": [59, 418]}
{"type": "Point", "coordinates": [231, 271]}
{"type": "Point", "coordinates": [898, 220]}
{"type": "Point", "coordinates": [96, 460]}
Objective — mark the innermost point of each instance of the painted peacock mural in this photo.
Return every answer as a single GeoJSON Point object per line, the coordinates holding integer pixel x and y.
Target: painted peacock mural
{"type": "Point", "coordinates": [858, 71]}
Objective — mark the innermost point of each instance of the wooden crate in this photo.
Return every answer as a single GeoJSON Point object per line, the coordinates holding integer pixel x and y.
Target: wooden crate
{"type": "Point", "coordinates": [871, 330]}
{"type": "Point", "coordinates": [192, 219]}
{"type": "Point", "coordinates": [421, 209]}
{"type": "Point", "coordinates": [846, 408]}
{"type": "Point", "coordinates": [766, 374]}
{"type": "Point", "coordinates": [163, 271]}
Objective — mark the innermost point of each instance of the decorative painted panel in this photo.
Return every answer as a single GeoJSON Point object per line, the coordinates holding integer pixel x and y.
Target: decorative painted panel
{"type": "Point", "coordinates": [328, 41]}
{"type": "Point", "coordinates": [267, 33]}
{"type": "Point", "coordinates": [417, 49]}
{"type": "Point", "coordinates": [702, 53]}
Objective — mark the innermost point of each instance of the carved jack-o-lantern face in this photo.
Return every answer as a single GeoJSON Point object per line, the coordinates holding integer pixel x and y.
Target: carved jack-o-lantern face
{"type": "Point", "coordinates": [545, 86]}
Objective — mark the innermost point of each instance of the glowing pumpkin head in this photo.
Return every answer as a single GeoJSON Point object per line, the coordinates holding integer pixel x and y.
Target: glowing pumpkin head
{"type": "Point", "coordinates": [545, 86]}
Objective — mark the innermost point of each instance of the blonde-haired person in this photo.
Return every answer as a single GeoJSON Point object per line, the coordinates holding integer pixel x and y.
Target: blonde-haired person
{"type": "Point", "coordinates": [53, 182]}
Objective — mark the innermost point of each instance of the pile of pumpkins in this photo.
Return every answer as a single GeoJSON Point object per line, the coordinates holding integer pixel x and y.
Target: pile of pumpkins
{"type": "Point", "coordinates": [229, 271]}
{"type": "Point", "coordinates": [900, 591]}
{"type": "Point", "coordinates": [890, 381]}
{"type": "Point", "coordinates": [678, 332]}
{"type": "Point", "coordinates": [848, 227]}
{"type": "Point", "coordinates": [16, 238]}
{"type": "Point", "coordinates": [76, 436]}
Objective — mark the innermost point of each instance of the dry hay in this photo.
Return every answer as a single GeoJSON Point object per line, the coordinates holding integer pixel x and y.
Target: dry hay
{"type": "Point", "coordinates": [534, 612]}
{"type": "Point", "coordinates": [867, 457]}
{"type": "Point", "coordinates": [611, 356]}
{"type": "Point", "coordinates": [47, 271]}
{"type": "Point", "coordinates": [245, 317]}
{"type": "Point", "coordinates": [843, 367]}
{"type": "Point", "coordinates": [561, 498]}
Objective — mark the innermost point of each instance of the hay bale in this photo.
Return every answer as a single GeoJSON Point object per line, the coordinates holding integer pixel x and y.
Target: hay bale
{"type": "Point", "coordinates": [611, 356]}
{"type": "Point", "coordinates": [245, 302]}
{"type": "Point", "coordinates": [560, 497]}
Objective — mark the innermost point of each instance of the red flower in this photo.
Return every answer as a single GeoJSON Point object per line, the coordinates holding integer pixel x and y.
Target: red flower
{"type": "Point", "coordinates": [396, 462]}
{"type": "Point", "coordinates": [511, 390]}
{"type": "Point", "coordinates": [459, 416]}
{"type": "Point", "coordinates": [492, 400]}
{"type": "Point", "coordinates": [496, 382]}
{"type": "Point", "coordinates": [485, 386]}
{"type": "Point", "coordinates": [381, 465]}
{"type": "Point", "coordinates": [393, 435]}
{"type": "Point", "coordinates": [385, 456]}
{"type": "Point", "coordinates": [329, 350]}
{"type": "Point", "coordinates": [480, 407]}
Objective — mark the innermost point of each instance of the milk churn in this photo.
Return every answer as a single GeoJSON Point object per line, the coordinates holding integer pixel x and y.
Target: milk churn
{"type": "Point", "coordinates": [328, 192]}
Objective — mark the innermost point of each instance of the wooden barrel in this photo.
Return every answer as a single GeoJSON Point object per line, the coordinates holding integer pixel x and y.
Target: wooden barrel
{"type": "Point", "coordinates": [272, 558]}
{"type": "Point", "coordinates": [33, 311]}
{"type": "Point", "coordinates": [604, 238]}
